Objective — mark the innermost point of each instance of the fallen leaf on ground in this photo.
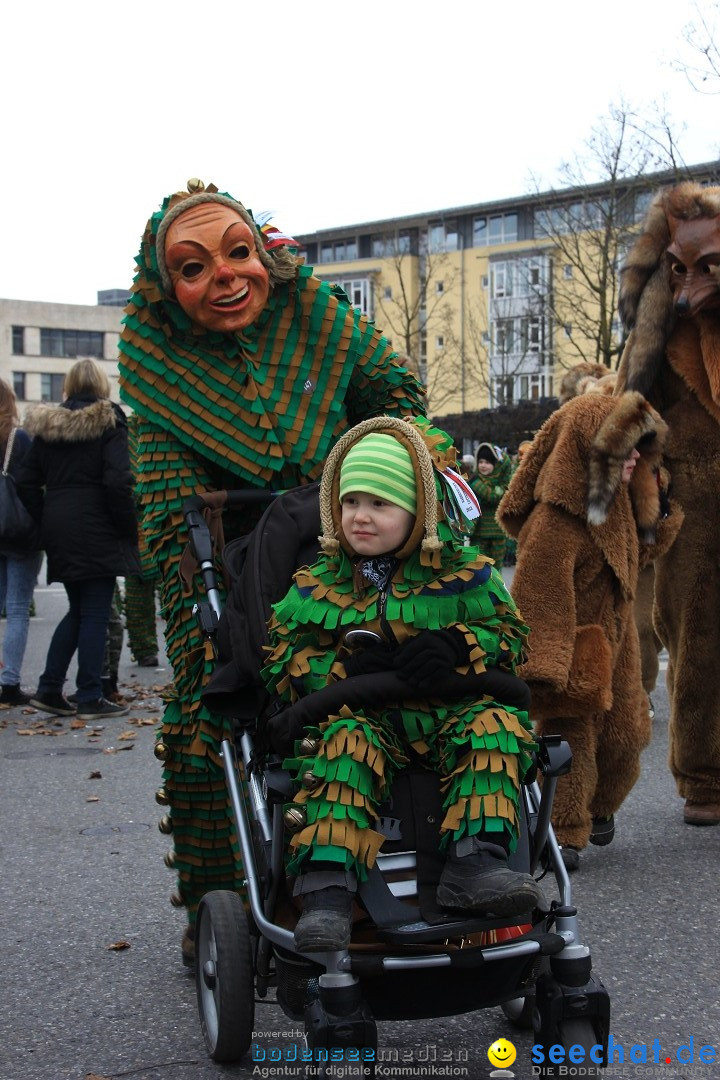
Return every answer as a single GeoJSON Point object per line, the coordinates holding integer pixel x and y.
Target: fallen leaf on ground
{"type": "Point", "coordinates": [95, 775]}
{"type": "Point", "coordinates": [95, 1076]}
{"type": "Point", "coordinates": [25, 731]}
{"type": "Point", "coordinates": [93, 798]}
{"type": "Point", "coordinates": [119, 945]}
{"type": "Point", "coordinates": [127, 735]}
{"type": "Point", "coordinates": [76, 724]}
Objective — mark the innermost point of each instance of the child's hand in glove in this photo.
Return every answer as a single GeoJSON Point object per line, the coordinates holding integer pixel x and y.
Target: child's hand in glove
{"type": "Point", "coordinates": [431, 654]}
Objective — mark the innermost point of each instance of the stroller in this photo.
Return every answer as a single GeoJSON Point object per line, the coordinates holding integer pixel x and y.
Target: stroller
{"type": "Point", "coordinates": [407, 959]}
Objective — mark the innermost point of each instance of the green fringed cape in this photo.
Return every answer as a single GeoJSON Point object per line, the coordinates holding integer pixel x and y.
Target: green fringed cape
{"type": "Point", "coordinates": [481, 748]}
{"type": "Point", "coordinates": [258, 409]}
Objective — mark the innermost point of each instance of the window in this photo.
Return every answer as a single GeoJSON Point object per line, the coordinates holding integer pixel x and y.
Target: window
{"type": "Point", "coordinates": [530, 330]}
{"type": "Point", "coordinates": [326, 253]}
{"type": "Point", "coordinates": [342, 251]}
{"type": "Point", "coordinates": [504, 336]}
{"type": "Point", "coordinates": [359, 292]}
{"type": "Point", "coordinates": [568, 329]}
{"type": "Point", "coordinates": [439, 287]}
{"type": "Point", "coordinates": [387, 292]}
{"type": "Point", "coordinates": [18, 340]}
{"type": "Point", "coordinates": [403, 243]}
{"type": "Point", "coordinates": [497, 229]}
{"type": "Point", "coordinates": [485, 281]}
{"type": "Point", "coordinates": [71, 343]}
{"type": "Point", "coordinates": [439, 341]}
{"type": "Point", "coordinates": [442, 236]}
{"type": "Point", "coordinates": [19, 385]}
{"type": "Point", "coordinates": [381, 246]}
{"type": "Point", "coordinates": [51, 387]}
{"type": "Point", "coordinates": [567, 271]}
{"type": "Point", "coordinates": [502, 280]}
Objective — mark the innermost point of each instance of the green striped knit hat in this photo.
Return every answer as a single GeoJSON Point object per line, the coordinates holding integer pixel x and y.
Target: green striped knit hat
{"type": "Point", "coordinates": [380, 465]}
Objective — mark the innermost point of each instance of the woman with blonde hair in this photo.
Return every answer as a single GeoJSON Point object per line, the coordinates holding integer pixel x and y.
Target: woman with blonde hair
{"type": "Point", "coordinates": [18, 567]}
{"type": "Point", "coordinates": [76, 483]}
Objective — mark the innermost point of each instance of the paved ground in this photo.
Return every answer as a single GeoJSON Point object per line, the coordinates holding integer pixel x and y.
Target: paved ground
{"type": "Point", "coordinates": [82, 872]}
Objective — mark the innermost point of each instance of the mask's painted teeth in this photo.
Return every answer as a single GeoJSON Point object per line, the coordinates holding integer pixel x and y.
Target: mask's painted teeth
{"type": "Point", "coordinates": [232, 299]}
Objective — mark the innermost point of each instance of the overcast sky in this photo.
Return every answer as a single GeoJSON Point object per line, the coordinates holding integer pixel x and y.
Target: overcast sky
{"type": "Point", "coordinates": [325, 113]}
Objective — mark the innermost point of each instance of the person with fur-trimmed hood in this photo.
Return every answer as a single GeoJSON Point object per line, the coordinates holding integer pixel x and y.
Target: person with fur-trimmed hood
{"type": "Point", "coordinates": [76, 482]}
{"type": "Point", "coordinates": [587, 510]}
{"type": "Point", "coordinates": [393, 565]}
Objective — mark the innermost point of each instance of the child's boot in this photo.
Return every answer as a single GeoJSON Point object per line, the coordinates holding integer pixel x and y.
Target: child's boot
{"type": "Point", "coordinates": [326, 921]}
{"type": "Point", "coordinates": [476, 878]}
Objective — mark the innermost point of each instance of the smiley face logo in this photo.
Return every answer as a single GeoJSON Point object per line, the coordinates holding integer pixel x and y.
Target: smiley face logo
{"type": "Point", "coordinates": [502, 1053]}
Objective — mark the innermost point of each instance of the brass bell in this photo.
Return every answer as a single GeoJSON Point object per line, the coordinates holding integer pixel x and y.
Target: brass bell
{"type": "Point", "coordinates": [169, 858]}
{"type": "Point", "coordinates": [161, 750]}
{"type": "Point", "coordinates": [176, 900]}
{"type": "Point", "coordinates": [310, 780]}
{"type": "Point", "coordinates": [295, 818]}
{"type": "Point", "coordinates": [165, 824]}
{"type": "Point", "coordinates": [194, 185]}
{"type": "Point", "coordinates": [162, 797]}
{"type": "Point", "coordinates": [308, 746]}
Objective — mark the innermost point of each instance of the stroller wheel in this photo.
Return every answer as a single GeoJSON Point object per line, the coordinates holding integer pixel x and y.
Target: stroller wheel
{"type": "Point", "coordinates": [224, 978]}
{"type": "Point", "coordinates": [576, 1032]}
{"type": "Point", "coordinates": [519, 1012]}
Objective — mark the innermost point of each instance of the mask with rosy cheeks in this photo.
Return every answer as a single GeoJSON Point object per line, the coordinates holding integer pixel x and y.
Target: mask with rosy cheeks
{"type": "Point", "coordinates": [694, 255]}
{"type": "Point", "coordinates": [216, 272]}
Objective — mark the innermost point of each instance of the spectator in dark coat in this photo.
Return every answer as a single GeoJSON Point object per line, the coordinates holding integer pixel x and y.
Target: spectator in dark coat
{"type": "Point", "coordinates": [75, 480]}
{"type": "Point", "coordinates": [19, 566]}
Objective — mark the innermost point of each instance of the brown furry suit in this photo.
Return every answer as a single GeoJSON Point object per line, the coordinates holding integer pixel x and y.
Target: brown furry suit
{"type": "Point", "coordinates": [676, 362]}
{"type": "Point", "coordinates": [582, 536]}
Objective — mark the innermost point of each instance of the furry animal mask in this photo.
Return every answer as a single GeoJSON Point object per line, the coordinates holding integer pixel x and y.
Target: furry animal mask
{"type": "Point", "coordinates": [683, 223]}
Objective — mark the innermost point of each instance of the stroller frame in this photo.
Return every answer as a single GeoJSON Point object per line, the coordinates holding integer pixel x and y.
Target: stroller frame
{"type": "Point", "coordinates": [554, 991]}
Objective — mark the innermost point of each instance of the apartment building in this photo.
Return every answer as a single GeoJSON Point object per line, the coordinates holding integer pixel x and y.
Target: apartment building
{"type": "Point", "coordinates": [491, 303]}
{"type": "Point", "coordinates": [39, 343]}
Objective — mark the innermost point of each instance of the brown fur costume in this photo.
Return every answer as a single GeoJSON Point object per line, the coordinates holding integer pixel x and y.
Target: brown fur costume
{"type": "Point", "coordinates": [676, 361]}
{"type": "Point", "coordinates": [582, 537]}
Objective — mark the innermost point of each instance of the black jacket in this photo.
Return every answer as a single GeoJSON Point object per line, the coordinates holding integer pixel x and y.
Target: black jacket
{"type": "Point", "coordinates": [79, 456]}
{"type": "Point", "coordinates": [21, 445]}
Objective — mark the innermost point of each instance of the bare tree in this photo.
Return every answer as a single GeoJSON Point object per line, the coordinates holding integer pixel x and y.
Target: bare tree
{"type": "Point", "coordinates": [589, 237]}
{"type": "Point", "coordinates": [701, 36]}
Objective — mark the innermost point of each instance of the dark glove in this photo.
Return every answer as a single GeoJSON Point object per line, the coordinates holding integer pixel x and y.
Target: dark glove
{"type": "Point", "coordinates": [430, 655]}
{"type": "Point", "coordinates": [286, 726]}
{"type": "Point", "coordinates": [369, 661]}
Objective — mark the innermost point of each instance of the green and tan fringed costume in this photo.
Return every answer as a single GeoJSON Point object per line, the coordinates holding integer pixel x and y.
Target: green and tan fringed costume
{"type": "Point", "coordinates": [140, 589]}
{"type": "Point", "coordinates": [481, 748]}
{"type": "Point", "coordinates": [488, 535]}
{"type": "Point", "coordinates": [261, 408]}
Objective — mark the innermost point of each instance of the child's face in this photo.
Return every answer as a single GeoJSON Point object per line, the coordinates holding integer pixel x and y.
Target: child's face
{"type": "Point", "coordinates": [485, 467]}
{"type": "Point", "coordinates": [373, 526]}
{"type": "Point", "coordinates": [629, 466]}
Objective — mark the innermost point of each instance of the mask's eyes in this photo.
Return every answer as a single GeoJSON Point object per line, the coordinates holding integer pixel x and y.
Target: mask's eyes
{"type": "Point", "coordinates": [191, 270]}
{"type": "Point", "coordinates": [679, 269]}
{"type": "Point", "coordinates": [240, 251]}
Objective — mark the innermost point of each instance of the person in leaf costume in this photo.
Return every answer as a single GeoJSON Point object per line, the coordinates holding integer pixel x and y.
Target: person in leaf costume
{"type": "Point", "coordinates": [493, 471]}
{"type": "Point", "coordinates": [243, 370]}
{"type": "Point", "coordinates": [392, 564]}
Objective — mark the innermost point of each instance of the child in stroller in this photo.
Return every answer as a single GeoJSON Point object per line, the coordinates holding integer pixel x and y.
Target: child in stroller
{"type": "Point", "coordinates": [332, 710]}
{"type": "Point", "coordinates": [435, 615]}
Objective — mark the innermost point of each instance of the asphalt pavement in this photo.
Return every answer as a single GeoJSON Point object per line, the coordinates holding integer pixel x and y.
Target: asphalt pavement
{"type": "Point", "coordinates": [91, 982]}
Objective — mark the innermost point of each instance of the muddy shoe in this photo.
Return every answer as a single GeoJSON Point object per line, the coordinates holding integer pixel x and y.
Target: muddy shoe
{"type": "Point", "coordinates": [603, 830]}
{"type": "Point", "coordinates": [476, 878]}
{"type": "Point", "coordinates": [570, 857]}
{"type": "Point", "coordinates": [52, 703]}
{"type": "Point", "coordinates": [701, 813]}
{"type": "Point", "coordinates": [326, 922]}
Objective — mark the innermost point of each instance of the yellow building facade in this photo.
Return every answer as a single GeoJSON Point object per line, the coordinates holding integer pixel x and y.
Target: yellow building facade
{"type": "Point", "coordinates": [491, 303]}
